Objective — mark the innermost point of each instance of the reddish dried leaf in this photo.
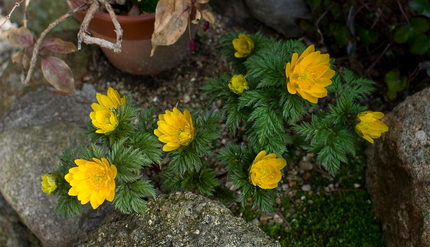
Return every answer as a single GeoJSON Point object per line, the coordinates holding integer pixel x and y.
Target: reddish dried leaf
{"type": "Point", "coordinates": [171, 21]}
{"type": "Point", "coordinates": [59, 45]}
{"type": "Point", "coordinates": [58, 74]}
{"type": "Point", "coordinates": [20, 37]}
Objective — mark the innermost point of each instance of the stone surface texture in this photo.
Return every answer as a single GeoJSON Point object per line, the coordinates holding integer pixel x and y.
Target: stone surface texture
{"type": "Point", "coordinates": [39, 127]}
{"type": "Point", "coordinates": [398, 175]}
{"type": "Point", "coordinates": [27, 154]}
{"type": "Point", "coordinates": [12, 232]}
{"type": "Point", "coordinates": [43, 106]}
{"type": "Point", "coordinates": [179, 219]}
{"type": "Point", "coordinates": [279, 14]}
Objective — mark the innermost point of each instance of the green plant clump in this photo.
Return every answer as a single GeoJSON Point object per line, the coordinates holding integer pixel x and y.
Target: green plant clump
{"type": "Point", "coordinates": [270, 104]}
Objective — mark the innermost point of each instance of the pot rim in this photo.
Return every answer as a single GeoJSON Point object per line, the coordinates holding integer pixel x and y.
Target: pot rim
{"type": "Point", "coordinates": [134, 27]}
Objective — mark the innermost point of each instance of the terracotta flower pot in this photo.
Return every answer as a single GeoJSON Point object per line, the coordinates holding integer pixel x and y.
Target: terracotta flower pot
{"type": "Point", "coordinates": [136, 44]}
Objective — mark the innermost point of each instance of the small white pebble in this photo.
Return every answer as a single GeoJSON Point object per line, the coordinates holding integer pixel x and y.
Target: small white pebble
{"type": "Point", "coordinates": [306, 187]}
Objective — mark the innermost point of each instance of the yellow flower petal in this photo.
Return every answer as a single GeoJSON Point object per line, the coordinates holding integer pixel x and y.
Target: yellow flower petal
{"type": "Point", "coordinates": [175, 128]}
{"type": "Point", "coordinates": [243, 45]}
{"type": "Point", "coordinates": [308, 74]}
{"type": "Point", "coordinates": [92, 181]}
{"type": "Point", "coordinates": [369, 126]}
{"type": "Point", "coordinates": [238, 84]}
{"type": "Point", "coordinates": [265, 170]}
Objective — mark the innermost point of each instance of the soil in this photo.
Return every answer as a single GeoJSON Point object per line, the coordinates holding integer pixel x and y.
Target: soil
{"type": "Point", "coordinates": [180, 87]}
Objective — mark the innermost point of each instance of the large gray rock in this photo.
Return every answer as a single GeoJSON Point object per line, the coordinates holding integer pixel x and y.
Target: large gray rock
{"type": "Point", "coordinates": [38, 128]}
{"type": "Point", "coordinates": [12, 232]}
{"type": "Point", "coordinates": [43, 106]}
{"type": "Point", "coordinates": [279, 14]}
{"type": "Point", "coordinates": [179, 219]}
{"type": "Point", "coordinates": [27, 154]}
{"type": "Point", "coordinates": [398, 173]}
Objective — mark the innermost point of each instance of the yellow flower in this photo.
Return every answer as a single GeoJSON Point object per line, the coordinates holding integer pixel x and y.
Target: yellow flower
{"type": "Point", "coordinates": [265, 171]}
{"type": "Point", "coordinates": [243, 46]}
{"type": "Point", "coordinates": [238, 84]}
{"type": "Point", "coordinates": [112, 100]}
{"type": "Point", "coordinates": [104, 115]}
{"type": "Point", "coordinates": [309, 74]}
{"type": "Point", "coordinates": [369, 126]}
{"type": "Point", "coordinates": [103, 119]}
{"type": "Point", "coordinates": [175, 129]}
{"type": "Point", "coordinates": [92, 181]}
{"type": "Point", "coordinates": [49, 183]}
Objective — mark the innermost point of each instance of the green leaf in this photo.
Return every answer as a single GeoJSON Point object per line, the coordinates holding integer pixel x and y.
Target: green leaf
{"type": "Point", "coordinates": [341, 33]}
{"type": "Point", "coordinates": [401, 34]}
{"type": "Point", "coordinates": [395, 83]}
{"type": "Point", "coordinates": [420, 24]}
{"type": "Point", "coordinates": [420, 45]}
{"type": "Point", "coordinates": [367, 36]}
{"type": "Point", "coordinates": [421, 6]}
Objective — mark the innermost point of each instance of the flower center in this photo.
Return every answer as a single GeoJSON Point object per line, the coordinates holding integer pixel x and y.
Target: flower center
{"type": "Point", "coordinates": [184, 136]}
{"type": "Point", "coordinates": [96, 178]}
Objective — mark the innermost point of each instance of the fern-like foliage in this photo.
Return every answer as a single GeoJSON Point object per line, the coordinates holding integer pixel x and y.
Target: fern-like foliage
{"type": "Point", "coordinates": [130, 197]}
{"type": "Point", "coordinates": [207, 130]}
{"type": "Point", "coordinates": [239, 160]}
{"type": "Point", "coordinates": [68, 206]}
{"type": "Point", "coordinates": [204, 180]}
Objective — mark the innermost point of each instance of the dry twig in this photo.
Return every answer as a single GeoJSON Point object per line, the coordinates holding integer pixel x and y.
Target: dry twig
{"type": "Point", "coordinates": [17, 4]}
{"type": "Point", "coordinates": [26, 79]}
{"type": "Point", "coordinates": [83, 36]}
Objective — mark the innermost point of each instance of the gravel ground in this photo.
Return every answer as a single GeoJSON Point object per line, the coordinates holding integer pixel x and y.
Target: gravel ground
{"type": "Point", "coordinates": [180, 86]}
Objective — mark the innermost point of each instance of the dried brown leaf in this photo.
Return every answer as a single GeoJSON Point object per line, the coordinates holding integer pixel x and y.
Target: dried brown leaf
{"type": "Point", "coordinates": [59, 45]}
{"type": "Point", "coordinates": [20, 37]}
{"type": "Point", "coordinates": [58, 74]}
{"type": "Point", "coordinates": [17, 56]}
{"type": "Point", "coordinates": [22, 57]}
{"type": "Point", "coordinates": [171, 21]}
{"type": "Point", "coordinates": [208, 16]}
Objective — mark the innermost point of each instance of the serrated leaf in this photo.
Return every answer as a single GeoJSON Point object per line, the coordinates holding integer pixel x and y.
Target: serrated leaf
{"type": "Point", "coordinates": [59, 45]}
{"type": "Point", "coordinates": [20, 37]}
{"type": "Point", "coordinates": [171, 21]}
{"type": "Point", "coordinates": [58, 74]}
{"type": "Point", "coordinates": [420, 45]}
